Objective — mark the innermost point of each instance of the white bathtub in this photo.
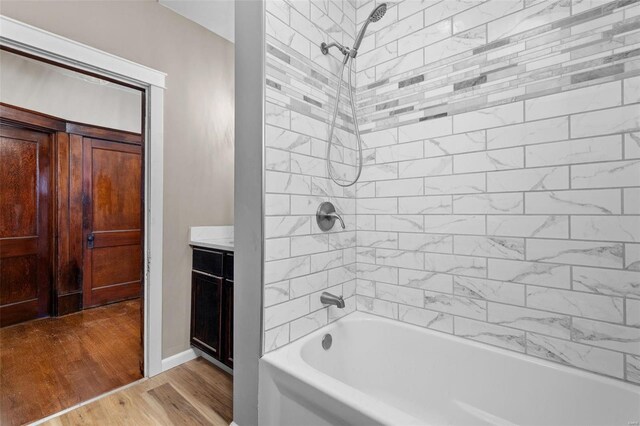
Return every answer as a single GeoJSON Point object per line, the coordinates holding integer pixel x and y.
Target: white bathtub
{"type": "Point", "coordinates": [380, 371]}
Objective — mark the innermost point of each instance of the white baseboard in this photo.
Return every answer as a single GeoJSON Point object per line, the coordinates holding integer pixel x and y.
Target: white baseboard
{"type": "Point", "coordinates": [179, 358]}
{"type": "Point", "coordinates": [213, 361]}
{"type": "Point", "coordinates": [233, 424]}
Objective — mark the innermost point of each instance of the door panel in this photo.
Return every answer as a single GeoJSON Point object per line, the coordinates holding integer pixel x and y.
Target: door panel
{"type": "Point", "coordinates": [206, 318]}
{"type": "Point", "coordinates": [25, 189]}
{"type": "Point", "coordinates": [112, 201]}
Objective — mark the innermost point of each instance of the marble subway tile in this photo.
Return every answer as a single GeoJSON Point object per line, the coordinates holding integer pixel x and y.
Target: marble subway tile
{"type": "Point", "coordinates": [455, 305]}
{"type": "Point", "coordinates": [528, 226]}
{"type": "Point", "coordinates": [633, 312]}
{"type": "Point", "coordinates": [504, 203]}
{"type": "Point", "coordinates": [449, 224]}
{"type": "Point", "coordinates": [501, 159]}
{"type": "Point", "coordinates": [549, 275]}
{"type": "Point", "coordinates": [457, 44]}
{"type": "Point", "coordinates": [380, 138]}
{"type": "Point", "coordinates": [425, 129]}
{"type": "Point", "coordinates": [574, 101]}
{"type": "Point", "coordinates": [631, 200]}
{"type": "Point", "coordinates": [307, 324]}
{"type": "Point", "coordinates": [377, 239]}
{"type": "Point", "coordinates": [309, 244]}
{"type": "Point", "coordinates": [506, 248]}
{"type": "Point", "coordinates": [285, 312]}
{"type": "Point", "coordinates": [400, 187]}
{"type": "Point", "coordinates": [529, 18]}
{"type": "Point", "coordinates": [399, 223]}
{"type": "Point", "coordinates": [548, 323]}
{"type": "Point", "coordinates": [426, 35]}
{"type": "Point", "coordinates": [492, 334]}
{"type": "Point", "coordinates": [455, 144]}
{"type": "Point", "coordinates": [399, 29]}
{"type": "Point", "coordinates": [604, 148]}
{"type": "Point", "coordinates": [436, 204]}
{"type": "Point", "coordinates": [284, 269]}
{"type": "Point", "coordinates": [632, 90]}
{"type": "Point", "coordinates": [377, 306]}
{"type": "Point", "coordinates": [607, 281]}
{"type": "Point", "coordinates": [575, 354]}
{"type": "Point", "coordinates": [287, 183]}
{"type": "Point", "coordinates": [400, 152]}
{"type": "Point", "coordinates": [379, 273]}
{"type": "Point", "coordinates": [425, 318]}
{"type": "Point", "coordinates": [276, 293]}
{"type": "Point", "coordinates": [610, 174]}
{"type": "Point", "coordinates": [606, 121]}
{"type": "Point", "coordinates": [426, 280]}
{"type": "Point", "coordinates": [585, 253]}
{"type": "Point", "coordinates": [308, 284]}
{"type": "Point", "coordinates": [400, 258]}
{"type": "Point", "coordinates": [425, 167]}
{"type": "Point", "coordinates": [528, 180]}
{"type": "Point", "coordinates": [276, 337]}
{"type": "Point", "coordinates": [554, 129]}
{"type": "Point", "coordinates": [455, 184]}
{"type": "Point", "coordinates": [633, 368]}
{"type": "Point", "coordinates": [276, 248]}
{"type": "Point", "coordinates": [399, 294]}
{"type": "Point", "coordinates": [605, 335]}
{"type": "Point", "coordinates": [597, 201]}
{"type": "Point", "coordinates": [454, 264]}
{"type": "Point", "coordinates": [486, 118]}
{"type": "Point", "coordinates": [481, 288]}
{"type": "Point", "coordinates": [485, 12]}
{"type": "Point", "coordinates": [632, 145]}
{"type": "Point", "coordinates": [434, 243]}
{"type": "Point", "coordinates": [606, 228]}
{"type": "Point", "coordinates": [574, 303]}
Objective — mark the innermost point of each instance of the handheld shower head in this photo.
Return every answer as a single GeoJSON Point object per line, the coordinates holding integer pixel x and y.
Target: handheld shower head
{"type": "Point", "coordinates": [378, 13]}
{"type": "Point", "coordinates": [375, 16]}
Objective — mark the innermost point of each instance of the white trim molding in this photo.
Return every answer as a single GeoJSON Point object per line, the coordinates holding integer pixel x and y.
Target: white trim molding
{"type": "Point", "coordinates": [32, 40]}
{"type": "Point", "coordinates": [179, 358]}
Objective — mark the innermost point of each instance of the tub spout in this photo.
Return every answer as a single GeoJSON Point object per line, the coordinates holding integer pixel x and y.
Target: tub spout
{"type": "Point", "coordinates": [331, 299]}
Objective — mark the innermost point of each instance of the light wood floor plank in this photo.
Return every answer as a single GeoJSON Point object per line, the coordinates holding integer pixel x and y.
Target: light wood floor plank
{"type": "Point", "coordinates": [194, 393]}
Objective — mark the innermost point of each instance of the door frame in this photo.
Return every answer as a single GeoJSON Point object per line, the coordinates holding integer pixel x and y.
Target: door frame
{"type": "Point", "coordinates": [53, 48]}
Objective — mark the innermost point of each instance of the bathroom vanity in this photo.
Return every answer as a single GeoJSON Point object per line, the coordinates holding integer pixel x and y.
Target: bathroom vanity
{"type": "Point", "coordinates": [212, 292]}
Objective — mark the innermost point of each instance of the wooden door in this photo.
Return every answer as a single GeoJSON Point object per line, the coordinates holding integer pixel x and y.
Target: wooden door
{"type": "Point", "coordinates": [25, 225]}
{"type": "Point", "coordinates": [112, 221]}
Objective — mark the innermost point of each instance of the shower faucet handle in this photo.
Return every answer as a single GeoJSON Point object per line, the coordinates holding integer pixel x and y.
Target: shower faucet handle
{"type": "Point", "coordinates": [326, 216]}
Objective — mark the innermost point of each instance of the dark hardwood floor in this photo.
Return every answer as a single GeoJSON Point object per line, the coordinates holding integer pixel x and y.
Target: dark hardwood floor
{"type": "Point", "coordinates": [194, 393]}
{"type": "Point", "coordinates": [51, 364]}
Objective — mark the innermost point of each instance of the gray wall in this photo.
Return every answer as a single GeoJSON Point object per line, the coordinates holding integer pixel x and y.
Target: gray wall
{"type": "Point", "coordinates": [198, 126]}
{"type": "Point", "coordinates": [39, 86]}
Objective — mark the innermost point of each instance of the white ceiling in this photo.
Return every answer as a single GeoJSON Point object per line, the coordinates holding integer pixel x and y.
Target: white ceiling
{"type": "Point", "coordinates": [215, 15]}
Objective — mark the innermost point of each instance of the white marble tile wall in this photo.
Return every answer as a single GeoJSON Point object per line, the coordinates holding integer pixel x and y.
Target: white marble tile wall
{"type": "Point", "coordinates": [301, 261]}
{"type": "Point", "coordinates": [510, 214]}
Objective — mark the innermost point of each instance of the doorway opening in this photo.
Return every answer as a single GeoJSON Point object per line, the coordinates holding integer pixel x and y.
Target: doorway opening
{"type": "Point", "coordinates": [72, 196]}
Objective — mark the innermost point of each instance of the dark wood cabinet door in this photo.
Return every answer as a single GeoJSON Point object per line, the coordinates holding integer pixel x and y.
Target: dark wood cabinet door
{"type": "Point", "coordinates": [227, 321]}
{"type": "Point", "coordinates": [206, 313]}
{"type": "Point", "coordinates": [25, 224]}
{"type": "Point", "coordinates": [112, 221]}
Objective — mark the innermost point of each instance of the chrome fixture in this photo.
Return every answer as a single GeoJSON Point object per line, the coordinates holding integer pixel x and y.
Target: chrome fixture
{"type": "Point", "coordinates": [375, 16]}
{"type": "Point", "coordinates": [327, 340]}
{"type": "Point", "coordinates": [326, 216]}
{"type": "Point", "coordinates": [331, 299]}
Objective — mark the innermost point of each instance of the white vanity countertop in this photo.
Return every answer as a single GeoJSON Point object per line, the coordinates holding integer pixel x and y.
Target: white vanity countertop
{"type": "Point", "coordinates": [216, 237]}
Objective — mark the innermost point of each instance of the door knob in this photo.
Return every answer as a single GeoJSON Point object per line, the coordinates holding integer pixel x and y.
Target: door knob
{"type": "Point", "coordinates": [90, 239]}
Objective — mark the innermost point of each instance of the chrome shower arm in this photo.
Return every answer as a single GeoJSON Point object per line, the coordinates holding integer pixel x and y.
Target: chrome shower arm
{"type": "Point", "coordinates": [324, 47]}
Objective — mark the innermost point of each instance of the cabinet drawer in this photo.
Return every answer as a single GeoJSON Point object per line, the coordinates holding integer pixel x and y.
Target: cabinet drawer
{"type": "Point", "coordinates": [228, 266]}
{"type": "Point", "coordinates": [207, 261]}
